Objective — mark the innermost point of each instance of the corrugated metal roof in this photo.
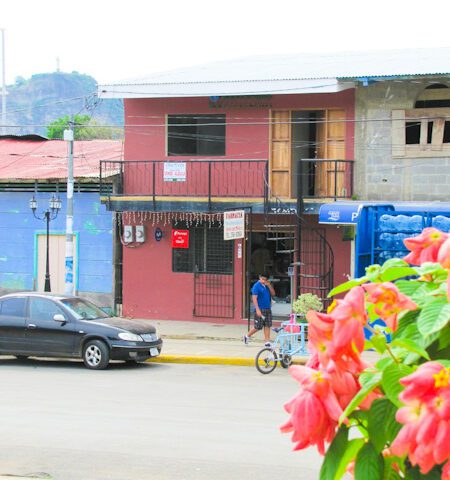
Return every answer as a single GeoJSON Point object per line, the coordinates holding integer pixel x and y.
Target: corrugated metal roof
{"type": "Point", "coordinates": [283, 73]}
{"type": "Point", "coordinates": [47, 159]}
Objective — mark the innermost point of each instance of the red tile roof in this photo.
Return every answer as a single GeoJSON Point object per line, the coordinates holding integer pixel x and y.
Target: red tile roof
{"type": "Point", "coordinates": [22, 159]}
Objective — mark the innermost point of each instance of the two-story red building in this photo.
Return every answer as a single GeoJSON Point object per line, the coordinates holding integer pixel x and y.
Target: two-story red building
{"type": "Point", "coordinates": [273, 136]}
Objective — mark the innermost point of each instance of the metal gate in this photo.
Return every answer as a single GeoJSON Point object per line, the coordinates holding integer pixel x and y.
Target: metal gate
{"type": "Point", "coordinates": [214, 272]}
{"type": "Point", "coordinates": [316, 269]}
{"type": "Point", "coordinates": [214, 295]}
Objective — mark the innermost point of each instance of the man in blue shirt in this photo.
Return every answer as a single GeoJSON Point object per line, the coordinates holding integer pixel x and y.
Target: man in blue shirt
{"type": "Point", "coordinates": [262, 293]}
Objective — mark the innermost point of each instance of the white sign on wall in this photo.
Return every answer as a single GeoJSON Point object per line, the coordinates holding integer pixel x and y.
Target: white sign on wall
{"type": "Point", "coordinates": [174, 171]}
{"type": "Point", "coordinates": [234, 225]}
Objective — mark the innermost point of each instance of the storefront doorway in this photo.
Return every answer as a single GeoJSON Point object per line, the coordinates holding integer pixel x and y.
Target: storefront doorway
{"type": "Point", "coordinates": [272, 254]}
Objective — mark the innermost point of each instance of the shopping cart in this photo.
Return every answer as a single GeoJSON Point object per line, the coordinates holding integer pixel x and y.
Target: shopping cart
{"type": "Point", "coordinates": [290, 341]}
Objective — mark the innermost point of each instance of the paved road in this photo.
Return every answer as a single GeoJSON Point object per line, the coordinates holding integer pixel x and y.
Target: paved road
{"type": "Point", "coordinates": [149, 421]}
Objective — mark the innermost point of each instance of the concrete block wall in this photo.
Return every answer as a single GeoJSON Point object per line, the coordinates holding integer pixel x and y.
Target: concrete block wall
{"type": "Point", "coordinates": [379, 176]}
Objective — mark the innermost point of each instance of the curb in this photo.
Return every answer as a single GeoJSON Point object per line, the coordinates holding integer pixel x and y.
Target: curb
{"type": "Point", "coordinates": [204, 360]}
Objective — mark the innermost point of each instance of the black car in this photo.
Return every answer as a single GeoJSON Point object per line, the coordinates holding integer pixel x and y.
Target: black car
{"type": "Point", "coordinates": [52, 325]}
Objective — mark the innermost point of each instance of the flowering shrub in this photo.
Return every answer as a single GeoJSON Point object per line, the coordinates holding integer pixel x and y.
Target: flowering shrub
{"type": "Point", "coordinates": [307, 302]}
{"type": "Point", "coordinates": [390, 420]}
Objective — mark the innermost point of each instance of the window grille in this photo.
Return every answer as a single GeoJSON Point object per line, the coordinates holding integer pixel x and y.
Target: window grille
{"type": "Point", "coordinates": [208, 252]}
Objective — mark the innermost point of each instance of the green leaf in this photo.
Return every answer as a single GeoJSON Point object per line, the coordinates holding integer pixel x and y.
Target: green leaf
{"type": "Point", "coordinates": [383, 363]}
{"type": "Point", "coordinates": [431, 268]}
{"type": "Point", "coordinates": [361, 417]}
{"type": "Point", "coordinates": [382, 427]}
{"type": "Point", "coordinates": [379, 342]}
{"type": "Point", "coordinates": [369, 464]}
{"type": "Point", "coordinates": [353, 447]}
{"type": "Point", "coordinates": [389, 472]}
{"type": "Point", "coordinates": [335, 452]}
{"type": "Point", "coordinates": [413, 473]}
{"type": "Point", "coordinates": [444, 338]}
{"type": "Point", "coordinates": [433, 317]}
{"type": "Point", "coordinates": [368, 384]}
{"type": "Point", "coordinates": [343, 287]}
{"type": "Point", "coordinates": [408, 287]}
{"type": "Point", "coordinates": [444, 361]}
{"type": "Point", "coordinates": [393, 262]}
{"type": "Point", "coordinates": [411, 346]}
{"type": "Point", "coordinates": [390, 381]}
{"type": "Point", "coordinates": [395, 273]}
{"type": "Point", "coordinates": [407, 324]}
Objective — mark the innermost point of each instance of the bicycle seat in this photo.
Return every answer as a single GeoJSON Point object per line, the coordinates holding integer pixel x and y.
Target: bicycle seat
{"type": "Point", "coordinates": [277, 329]}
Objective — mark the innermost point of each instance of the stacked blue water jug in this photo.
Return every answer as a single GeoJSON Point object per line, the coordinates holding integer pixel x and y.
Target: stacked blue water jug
{"type": "Point", "coordinates": [393, 230]}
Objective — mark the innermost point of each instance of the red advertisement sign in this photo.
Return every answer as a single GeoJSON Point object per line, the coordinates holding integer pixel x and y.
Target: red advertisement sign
{"type": "Point", "coordinates": [180, 238]}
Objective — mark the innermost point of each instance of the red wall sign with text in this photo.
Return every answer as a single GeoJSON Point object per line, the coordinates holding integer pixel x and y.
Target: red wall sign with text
{"type": "Point", "coordinates": [180, 238]}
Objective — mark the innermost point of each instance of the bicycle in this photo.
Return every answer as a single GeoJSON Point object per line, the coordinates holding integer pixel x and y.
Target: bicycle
{"type": "Point", "coordinates": [290, 340]}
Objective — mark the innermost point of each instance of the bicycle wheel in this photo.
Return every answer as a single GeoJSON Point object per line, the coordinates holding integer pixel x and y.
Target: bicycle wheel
{"type": "Point", "coordinates": [266, 360]}
{"type": "Point", "coordinates": [286, 360]}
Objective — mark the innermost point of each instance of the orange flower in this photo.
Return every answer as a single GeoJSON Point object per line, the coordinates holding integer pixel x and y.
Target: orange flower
{"type": "Point", "coordinates": [388, 301]}
{"type": "Point", "coordinates": [424, 247]}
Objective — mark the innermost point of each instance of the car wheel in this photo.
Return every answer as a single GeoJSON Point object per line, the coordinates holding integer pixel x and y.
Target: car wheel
{"type": "Point", "coordinates": [96, 355]}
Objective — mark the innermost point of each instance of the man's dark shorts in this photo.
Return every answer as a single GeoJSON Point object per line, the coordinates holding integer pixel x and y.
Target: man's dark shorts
{"type": "Point", "coordinates": [267, 322]}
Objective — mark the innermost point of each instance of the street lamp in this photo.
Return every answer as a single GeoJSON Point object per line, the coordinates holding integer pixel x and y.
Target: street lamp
{"type": "Point", "coordinates": [50, 214]}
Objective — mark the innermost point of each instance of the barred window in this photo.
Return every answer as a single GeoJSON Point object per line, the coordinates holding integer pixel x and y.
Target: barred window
{"type": "Point", "coordinates": [208, 252]}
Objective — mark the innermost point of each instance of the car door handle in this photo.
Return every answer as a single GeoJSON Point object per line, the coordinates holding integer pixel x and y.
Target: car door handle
{"type": "Point", "coordinates": [31, 325]}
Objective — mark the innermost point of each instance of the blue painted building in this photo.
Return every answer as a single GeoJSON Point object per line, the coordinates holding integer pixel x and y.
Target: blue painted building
{"type": "Point", "coordinates": [23, 237]}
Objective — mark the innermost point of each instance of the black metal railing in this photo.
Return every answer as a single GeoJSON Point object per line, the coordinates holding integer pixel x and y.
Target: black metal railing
{"type": "Point", "coordinates": [323, 178]}
{"type": "Point", "coordinates": [196, 178]}
{"type": "Point", "coordinates": [311, 178]}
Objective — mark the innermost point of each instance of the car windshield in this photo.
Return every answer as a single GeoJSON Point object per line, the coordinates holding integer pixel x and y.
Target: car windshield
{"type": "Point", "coordinates": [83, 309]}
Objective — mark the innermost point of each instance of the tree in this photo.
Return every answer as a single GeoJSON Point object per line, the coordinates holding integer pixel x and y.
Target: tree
{"type": "Point", "coordinates": [84, 129]}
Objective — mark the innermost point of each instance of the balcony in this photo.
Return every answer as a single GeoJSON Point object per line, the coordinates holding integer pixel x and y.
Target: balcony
{"type": "Point", "coordinates": [213, 185]}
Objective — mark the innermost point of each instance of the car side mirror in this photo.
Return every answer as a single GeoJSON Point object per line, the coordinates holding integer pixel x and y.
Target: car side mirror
{"type": "Point", "coordinates": [59, 318]}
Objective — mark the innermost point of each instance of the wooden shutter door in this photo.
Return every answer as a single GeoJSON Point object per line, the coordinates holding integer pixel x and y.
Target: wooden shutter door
{"type": "Point", "coordinates": [336, 150]}
{"type": "Point", "coordinates": [330, 177]}
{"type": "Point", "coordinates": [280, 154]}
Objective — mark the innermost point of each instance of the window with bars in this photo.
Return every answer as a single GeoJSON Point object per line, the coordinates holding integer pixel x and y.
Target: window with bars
{"type": "Point", "coordinates": [208, 252]}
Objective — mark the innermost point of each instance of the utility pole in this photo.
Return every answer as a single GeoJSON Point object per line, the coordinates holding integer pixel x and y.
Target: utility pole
{"type": "Point", "coordinates": [69, 137]}
{"type": "Point", "coordinates": [3, 85]}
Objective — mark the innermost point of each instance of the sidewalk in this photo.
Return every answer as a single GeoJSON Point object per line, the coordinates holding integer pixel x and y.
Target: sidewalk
{"type": "Point", "coordinates": [213, 343]}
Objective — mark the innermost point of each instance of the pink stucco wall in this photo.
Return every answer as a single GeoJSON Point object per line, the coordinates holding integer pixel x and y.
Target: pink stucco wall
{"type": "Point", "coordinates": [247, 131]}
{"type": "Point", "coordinates": [150, 288]}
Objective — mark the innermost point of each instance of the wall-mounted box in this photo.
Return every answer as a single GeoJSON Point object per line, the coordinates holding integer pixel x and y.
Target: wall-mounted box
{"type": "Point", "coordinates": [140, 233]}
{"type": "Point", "coordinates": [128, 234]}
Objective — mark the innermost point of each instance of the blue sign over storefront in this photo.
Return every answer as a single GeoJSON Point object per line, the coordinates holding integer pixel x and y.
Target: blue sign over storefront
{"type": "Point", "coordinates": [340, 213]}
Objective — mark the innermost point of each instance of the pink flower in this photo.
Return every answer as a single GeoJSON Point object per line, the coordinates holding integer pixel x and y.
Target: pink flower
{"type": "Point", "coordinates": [446, 471]}
{"type": "Point", "coordinates": [425, 416]}
{"type": "Point", "coordinates": [388, 302]}
{"type": "Point", "coordinates": [424, 247]}
{"type": "Point", "coordinates": [348, 333]}
{"type": "Point", "coordinates": [314, 411]}
{"type": "Point", "coordinates": [444, 254]}
{"type": "Point", "coordinates": [320, 335]}
{"type": "Point", "coordinates": [444, 260]}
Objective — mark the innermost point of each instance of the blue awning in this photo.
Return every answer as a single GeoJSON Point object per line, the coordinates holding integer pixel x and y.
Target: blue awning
{"type": "Point", "coordinates": [340, 213]}
{"type": "Point", "coordinates": [345, 213]}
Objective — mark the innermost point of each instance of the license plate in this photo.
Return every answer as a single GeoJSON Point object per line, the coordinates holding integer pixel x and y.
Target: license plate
{"type": "Point", "coordinates": [154, 352]}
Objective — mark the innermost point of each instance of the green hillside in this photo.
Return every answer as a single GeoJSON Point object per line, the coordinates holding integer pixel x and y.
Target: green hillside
{"type": "Point", "coordinates": [34, 103]}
